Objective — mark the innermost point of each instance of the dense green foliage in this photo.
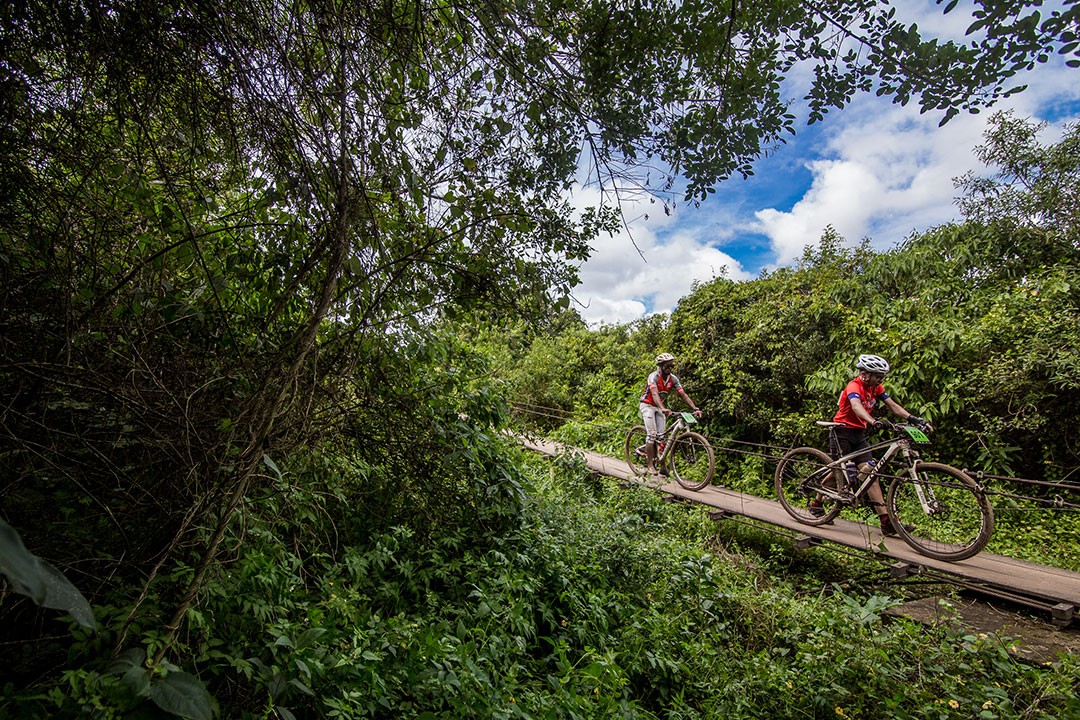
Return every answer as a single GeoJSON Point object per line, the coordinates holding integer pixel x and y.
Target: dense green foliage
{"type": "Point", "coordinates": [979, 319]}
{"type": "Point", "coordinates": [596, 602]}
{"type": "Point", "coordinates": [229, 235]}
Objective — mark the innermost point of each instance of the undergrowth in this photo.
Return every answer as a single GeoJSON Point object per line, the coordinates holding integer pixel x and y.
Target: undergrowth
{"type": "Point", "coordinates": [597, 602]}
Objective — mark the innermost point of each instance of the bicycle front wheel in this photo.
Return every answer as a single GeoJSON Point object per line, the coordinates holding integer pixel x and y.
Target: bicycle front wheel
{"type": "Point", "coordinates": [953, 519]}
{"type": "Point", "coordinates": [800, 475]}
{"type": "Point", "coordinates": [692, 460]}
{"type": "Point", "coordinates": [634, 450]}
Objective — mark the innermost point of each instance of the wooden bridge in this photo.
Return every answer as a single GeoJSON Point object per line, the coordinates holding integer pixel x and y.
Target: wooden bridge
{"type": "Point", "coordinates": [1044, 588]}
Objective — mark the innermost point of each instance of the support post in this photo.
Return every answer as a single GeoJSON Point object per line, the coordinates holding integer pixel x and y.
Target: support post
{"type": "Point", "coordinates": [1063, 614]}
{"type": "Point", "coordinates": [901, 570]}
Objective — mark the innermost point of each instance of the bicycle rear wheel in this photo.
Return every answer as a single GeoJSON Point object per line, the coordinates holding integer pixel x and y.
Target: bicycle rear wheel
{"type": "Point", "coordinates": [634, 450]}
{"type": "Point", "coordinates": [692, 460]}
{"type": "Point", "coordinates": [955, 523]}
{"type": "Point", "coordinates": [800, 475]}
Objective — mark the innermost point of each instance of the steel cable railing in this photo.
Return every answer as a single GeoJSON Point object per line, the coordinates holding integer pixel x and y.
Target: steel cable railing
{"type": "Point", "coordinates": [774, 453]}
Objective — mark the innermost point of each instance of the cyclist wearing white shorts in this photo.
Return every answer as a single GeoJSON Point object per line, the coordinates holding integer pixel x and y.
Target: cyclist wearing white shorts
{"type": "Point", "coordinates": [661, 382]}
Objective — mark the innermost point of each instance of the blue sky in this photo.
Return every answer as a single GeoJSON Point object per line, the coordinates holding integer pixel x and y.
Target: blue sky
{"type": "Point", "coordinates": [872, 170]}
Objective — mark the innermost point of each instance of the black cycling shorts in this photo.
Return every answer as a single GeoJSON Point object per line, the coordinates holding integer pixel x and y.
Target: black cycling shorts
{"type": "Point", "coordinates": [849, 440]}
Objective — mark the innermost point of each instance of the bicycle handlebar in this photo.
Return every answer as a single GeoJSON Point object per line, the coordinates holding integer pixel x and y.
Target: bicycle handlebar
{"type": "Point", "coordinates": [899, 427]}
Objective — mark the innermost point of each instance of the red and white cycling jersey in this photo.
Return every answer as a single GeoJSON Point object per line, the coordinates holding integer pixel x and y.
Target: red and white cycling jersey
{"type": "Point", "coordinates": [663, 387]}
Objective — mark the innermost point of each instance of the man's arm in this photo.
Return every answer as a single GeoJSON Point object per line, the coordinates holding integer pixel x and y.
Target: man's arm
{"type": "Point", "coordinates": [904, 414]}
{"type": "Point", "coordinates": [655, 394]}
{"type": "Point", "coordinates": [860, 410]}
{"type": "Point", "coordinates": [697, 412]}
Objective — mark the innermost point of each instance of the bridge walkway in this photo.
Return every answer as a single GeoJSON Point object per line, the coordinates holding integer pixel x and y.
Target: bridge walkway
{"type": "Point", "coordinates": [1042, 587]}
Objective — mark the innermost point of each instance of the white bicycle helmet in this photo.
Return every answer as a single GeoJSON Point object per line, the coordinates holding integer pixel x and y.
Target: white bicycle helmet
{"type": "Point", "coordinates": [664, 357]}
{"type": "Point", "coordinates": [872, 363]}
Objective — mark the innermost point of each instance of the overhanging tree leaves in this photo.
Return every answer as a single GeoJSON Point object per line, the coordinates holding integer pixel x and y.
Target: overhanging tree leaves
{"type": "Point", "coordinates": [31, 576]}
{"type": "Point", "coordinates": [219, 219]}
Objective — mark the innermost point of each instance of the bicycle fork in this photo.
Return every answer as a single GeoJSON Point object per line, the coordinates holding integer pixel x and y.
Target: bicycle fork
{"type": "Point", "coordinates": [925, 493]}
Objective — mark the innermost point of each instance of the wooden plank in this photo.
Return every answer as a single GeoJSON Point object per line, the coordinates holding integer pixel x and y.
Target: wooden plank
{"type": "Point", "coordinates": [1019, 576]}
{"type": "Point", "coordinates": [1063, 613]}
{"type": "Point", "coordinates": [901, 570]}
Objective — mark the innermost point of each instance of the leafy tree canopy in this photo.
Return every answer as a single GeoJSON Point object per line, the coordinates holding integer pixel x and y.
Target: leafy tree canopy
{"type": "Point", "coordinates": [226, 229]}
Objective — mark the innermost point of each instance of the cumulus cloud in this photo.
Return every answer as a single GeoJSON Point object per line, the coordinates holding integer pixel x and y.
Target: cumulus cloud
{"type": "Point", "coordinates": [648, 266]}
{"type": "Point", "coordinates": [884, 174]}
{"type": "Point", "coordinates": [886, 171]}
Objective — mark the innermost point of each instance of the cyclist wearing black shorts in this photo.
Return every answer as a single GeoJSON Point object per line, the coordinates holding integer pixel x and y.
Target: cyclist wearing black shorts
{"type": "Point", "coordinates": [856, 416]}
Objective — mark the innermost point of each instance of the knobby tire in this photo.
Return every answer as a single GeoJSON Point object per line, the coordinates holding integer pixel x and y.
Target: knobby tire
{"type": "Point", "coordinates": [634, 439]}
{"type": "Point", "coordinates": [692, 460]}
{"type": "Point", "coordinates": [957, 528]}
{"type": "Point", "coordinates": [798, 474]}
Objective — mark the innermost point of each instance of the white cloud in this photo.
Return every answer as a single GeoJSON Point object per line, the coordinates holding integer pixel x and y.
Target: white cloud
{"type": "Point", "coordinates": [886, 171]}
{"type": "Point", "coordinates": [877, 170]}
{"type": "Point", "coordinates": [837, 198]}
{"type": "Point", "coordinates": [648, 269]}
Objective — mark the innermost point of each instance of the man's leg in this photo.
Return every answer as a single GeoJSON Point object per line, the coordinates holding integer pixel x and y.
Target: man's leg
{"type": "Point", "coordinates": [877, 502]}
{"type": "Point", "coordinates": [877, 498]}
{"type": "Point", "coordinates": [648, 416]}
{"type": "Point", "coordinates": [661, 428]}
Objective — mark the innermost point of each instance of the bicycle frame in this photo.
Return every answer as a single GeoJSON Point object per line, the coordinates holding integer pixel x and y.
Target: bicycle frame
{"type": "Point", "coordinates": [896, 445]}
{"type": "Point", "coordinates": [685, 453]}
{"type": "Point", "coordinates": [677, 426]}
{"type": "Point", "coordinates": [951, 518]}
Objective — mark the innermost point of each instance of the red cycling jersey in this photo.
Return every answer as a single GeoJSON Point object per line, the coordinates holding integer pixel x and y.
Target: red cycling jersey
{"type": "Point", "coordinates": [663, 387]}
{"type": "Point", "coordinates": [857, 391]}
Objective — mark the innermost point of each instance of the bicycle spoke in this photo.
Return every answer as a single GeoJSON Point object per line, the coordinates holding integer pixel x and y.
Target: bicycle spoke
{"type": "Point", "coordinates": [634, 450]}
{"type": "Point", "coordinates": [800, 474]}
{"type": "Point", "coordinates": [692, 461]}
{"type": "Point", "coordinates": [952, 521]}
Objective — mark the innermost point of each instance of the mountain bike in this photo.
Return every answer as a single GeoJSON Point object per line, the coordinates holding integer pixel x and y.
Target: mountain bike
{"type": "Point", "coordinates": [688, 454]}
{"type": "Point", "coordinates": [949, 515]}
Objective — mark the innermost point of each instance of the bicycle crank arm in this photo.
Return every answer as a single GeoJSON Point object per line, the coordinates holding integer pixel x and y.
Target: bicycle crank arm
{"type": "Point", "coordinates": [840, 496]}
